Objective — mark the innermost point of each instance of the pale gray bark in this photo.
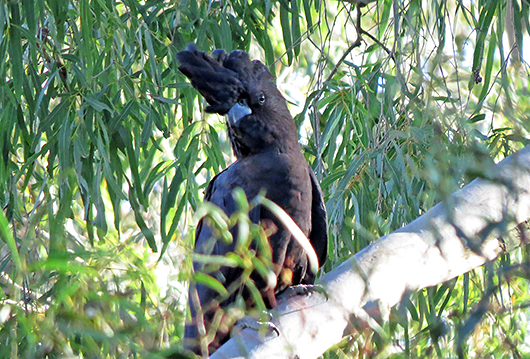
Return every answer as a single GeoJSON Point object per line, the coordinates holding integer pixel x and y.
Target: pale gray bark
{"type": "Point", "coordinates": [448, 240]}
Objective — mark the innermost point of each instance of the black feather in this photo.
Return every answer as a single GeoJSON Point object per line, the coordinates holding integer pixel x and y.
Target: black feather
{"type": "Point", "coordinates": [219, 85]}
{"type": "Point", "coordinates": [269, 158]}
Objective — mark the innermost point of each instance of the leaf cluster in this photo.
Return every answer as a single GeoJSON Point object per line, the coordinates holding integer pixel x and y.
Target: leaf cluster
{"type": "Point", "coordinates": [105, 152]}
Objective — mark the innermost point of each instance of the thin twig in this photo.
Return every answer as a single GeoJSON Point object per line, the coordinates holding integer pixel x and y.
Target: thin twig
{"type": "Point", "coordinates": [355, 44]}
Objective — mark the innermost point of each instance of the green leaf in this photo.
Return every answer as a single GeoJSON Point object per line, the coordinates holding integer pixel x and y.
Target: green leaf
{"type": "Point", "coordinates": [485, 18]}
{"type": "Point", "coordinates": [226, 35]}
{"type": "Point", "coordinates": [15, 48]}
{"type": "Point", "coordinates": [210, 282]}
{"type": "Point", "coordinates": [86, 46]}
{"type": "Point", "coordinates": [286, 30]}
{"type": "Point", "coordinates": [148, 234]}
{"type": "Point", "coordinates": [225, 261]}
{"type": "Point", "coordinates": [295, 22]}
{"type": "Point", "coordinates": [96, 104]}
{"type": "Point", "coordinates": [297, 233]}
{"type": "Point", "coordinates": [477, 118]}
{"type": "Point", "coordinates": [155, 73]}
{"type": "Point", "coordinates": [307, 13]}
{"type": "Point", "coordinates": [7, 238]}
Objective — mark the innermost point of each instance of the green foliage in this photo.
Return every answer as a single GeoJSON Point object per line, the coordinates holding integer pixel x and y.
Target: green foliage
{"type": "Point", "coordinates": [105, 153]}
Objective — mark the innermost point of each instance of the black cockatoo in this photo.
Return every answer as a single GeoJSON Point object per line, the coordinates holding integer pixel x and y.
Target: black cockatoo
{"type": "Point", "coordinates": [264, 139]}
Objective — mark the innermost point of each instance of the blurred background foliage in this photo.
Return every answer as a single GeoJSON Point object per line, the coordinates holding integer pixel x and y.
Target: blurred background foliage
{"type": "Point", "coordinates": [106, 152]}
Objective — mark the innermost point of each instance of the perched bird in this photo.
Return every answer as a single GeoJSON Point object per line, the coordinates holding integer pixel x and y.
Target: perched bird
{"type": "Point", "coordinates": [264, 139]}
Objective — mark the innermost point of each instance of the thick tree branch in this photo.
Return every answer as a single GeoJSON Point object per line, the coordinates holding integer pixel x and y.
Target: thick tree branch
{"type": "Point", "coordinates": [450, 239]}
